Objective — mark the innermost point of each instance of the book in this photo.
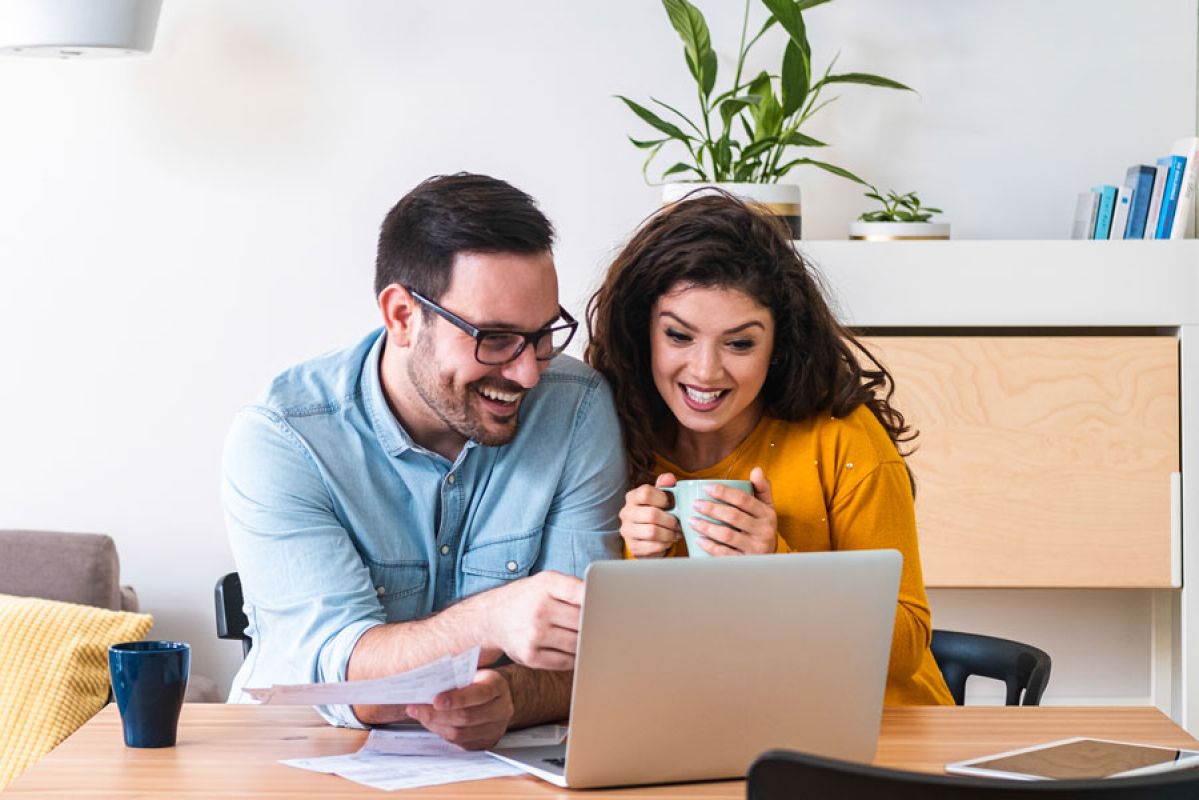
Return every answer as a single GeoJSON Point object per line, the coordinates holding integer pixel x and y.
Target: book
{"type": "Point", "coordinates": [1184, 214]}
{"type": "Point", "coordinates": [1175, 165]}
{"type": "Point", "coordinates": [1103, 216]}
{"type": "Point", "coordinates": [1155, 200]}
{"type": "Point", "coordinates": [1120, 214]}
{"type": "Point", "coordinates": [1138, 178]}
{"type": "Point", "coordinates": [1085, 212]}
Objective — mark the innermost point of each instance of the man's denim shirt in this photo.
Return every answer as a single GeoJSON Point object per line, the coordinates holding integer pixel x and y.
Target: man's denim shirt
{"type": "Point", "coordinates": [339, 522]}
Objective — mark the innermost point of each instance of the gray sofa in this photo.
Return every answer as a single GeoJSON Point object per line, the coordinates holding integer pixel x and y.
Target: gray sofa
{"type": "Point", "coordinates": [76, 568]}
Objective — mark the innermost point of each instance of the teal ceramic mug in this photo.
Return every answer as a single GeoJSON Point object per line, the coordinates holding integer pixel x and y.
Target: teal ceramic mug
{"type": "Point", "coordinates": [685, 494]}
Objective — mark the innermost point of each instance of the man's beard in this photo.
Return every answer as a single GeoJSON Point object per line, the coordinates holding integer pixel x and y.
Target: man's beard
{"type": "Point", "coordinates": [458, 407]}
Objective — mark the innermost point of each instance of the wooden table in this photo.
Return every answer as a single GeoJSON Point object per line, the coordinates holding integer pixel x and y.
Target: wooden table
{"type": "Point", "coordinates": [234, 750]}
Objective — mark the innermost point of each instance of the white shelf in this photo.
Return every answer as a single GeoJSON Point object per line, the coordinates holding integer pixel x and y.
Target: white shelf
{"type": "Point", "coordinates": [1050, 283]}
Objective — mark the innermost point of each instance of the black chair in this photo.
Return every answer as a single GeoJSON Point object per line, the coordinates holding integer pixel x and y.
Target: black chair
{"type": "Point", "coordinates": [231, 622]}
{"type": "Point", "coordinates": [788, 775]}
{"type": "Point", "coordinates": [1023, 668]}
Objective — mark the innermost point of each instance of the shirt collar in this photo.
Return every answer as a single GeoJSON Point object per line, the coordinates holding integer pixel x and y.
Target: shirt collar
{"type": "Point", "coordinates": [391, 433]}
{"type": "Point", "coordinates": [392, 436]}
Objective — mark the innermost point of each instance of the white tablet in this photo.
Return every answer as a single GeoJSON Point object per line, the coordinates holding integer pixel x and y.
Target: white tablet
{"type": "Point", "coordinates": [1077, 758]}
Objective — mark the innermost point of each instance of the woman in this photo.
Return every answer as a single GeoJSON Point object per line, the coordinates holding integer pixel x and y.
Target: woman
{"type": "Point", "coordinates": [726, 362]}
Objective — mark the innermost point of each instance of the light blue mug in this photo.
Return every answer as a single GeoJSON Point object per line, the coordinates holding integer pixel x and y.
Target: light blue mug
{"type": "Point", "coordinates": [685, 494]}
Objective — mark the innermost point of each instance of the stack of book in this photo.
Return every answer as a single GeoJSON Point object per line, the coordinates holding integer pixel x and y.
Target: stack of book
{"type": "Point", "coordinates": [1155, 202]}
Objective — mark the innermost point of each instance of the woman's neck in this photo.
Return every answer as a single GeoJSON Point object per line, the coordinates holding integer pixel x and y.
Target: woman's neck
{"type": "Point", "coordinates": [696, 450]}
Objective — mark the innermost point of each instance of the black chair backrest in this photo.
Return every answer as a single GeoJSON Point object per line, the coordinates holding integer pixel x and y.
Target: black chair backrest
{"type": "Point", "coordinates": [785, 774]}
{"type": "Point", "coordinates": [231, 622]}
{"type": "Point", "coordinates": [1023, 668]}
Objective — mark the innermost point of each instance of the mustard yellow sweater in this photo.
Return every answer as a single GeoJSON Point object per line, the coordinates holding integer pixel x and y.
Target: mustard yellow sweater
{"type": "Point", "coordinates": [840, 484]}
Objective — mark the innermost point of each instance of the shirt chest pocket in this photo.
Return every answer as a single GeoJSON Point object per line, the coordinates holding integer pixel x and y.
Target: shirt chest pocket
{"type": "Point", "coordinates": [493, 563]}
{"type": "Point", "coordinates": [401, 586]}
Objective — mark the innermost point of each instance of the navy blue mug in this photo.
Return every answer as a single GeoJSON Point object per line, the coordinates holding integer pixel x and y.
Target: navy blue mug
{"type": "Point", "coordinates": [148, 681]}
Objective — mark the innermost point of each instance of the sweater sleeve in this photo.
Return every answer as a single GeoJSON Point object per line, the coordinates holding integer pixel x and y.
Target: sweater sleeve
{"type": "Point", "coordinates": [878, 512]}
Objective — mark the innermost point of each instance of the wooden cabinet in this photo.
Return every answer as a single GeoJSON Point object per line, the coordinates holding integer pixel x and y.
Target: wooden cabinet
{"type": "Point", "coordinates": [1056, 384]}
{"type": "Point", "coordinates": [1042, 461]}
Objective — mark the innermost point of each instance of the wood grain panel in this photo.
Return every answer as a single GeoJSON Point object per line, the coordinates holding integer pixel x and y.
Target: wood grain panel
{"type": "Point", "coordinates": [1042, 461]}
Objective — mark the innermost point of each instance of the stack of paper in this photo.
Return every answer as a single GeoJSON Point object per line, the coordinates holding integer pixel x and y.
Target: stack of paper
{"type": "Point", "coordinates": [408, 758]}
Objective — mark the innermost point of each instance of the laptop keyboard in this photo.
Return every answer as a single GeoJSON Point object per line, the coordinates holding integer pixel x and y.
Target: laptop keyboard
{"type": "Point", "coordinates": [557, 762]}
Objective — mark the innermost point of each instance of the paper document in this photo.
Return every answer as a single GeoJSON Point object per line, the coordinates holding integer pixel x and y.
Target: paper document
{"type": "Point", "coordinates": [418, 685]}
{"type": "Point", "coordinates": [420, 742]}
{"type": "Point", "coordinates": [411, 757]}
{"type": "Point", "coordinates": [390, 772]}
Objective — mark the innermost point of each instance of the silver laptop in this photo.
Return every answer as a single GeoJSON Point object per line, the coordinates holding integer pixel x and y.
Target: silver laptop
{"type": "Point", "coordinates": [689, 668]}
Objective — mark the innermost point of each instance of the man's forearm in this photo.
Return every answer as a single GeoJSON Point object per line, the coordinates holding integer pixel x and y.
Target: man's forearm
{"type": "Point", "coordinates": [395, 647]}
{"type": "Point", "coordinates": [538, 695]}
{"type": "Point", "coordinates": [534, 620]}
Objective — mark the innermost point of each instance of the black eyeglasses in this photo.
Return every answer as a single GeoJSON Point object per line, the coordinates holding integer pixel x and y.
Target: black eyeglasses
{"type": "Point", "coordinates": [494, 346]}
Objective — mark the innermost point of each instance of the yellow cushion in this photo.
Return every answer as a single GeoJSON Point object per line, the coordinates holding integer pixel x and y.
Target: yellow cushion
{"type": "Point", "coordinates": [53, 672]}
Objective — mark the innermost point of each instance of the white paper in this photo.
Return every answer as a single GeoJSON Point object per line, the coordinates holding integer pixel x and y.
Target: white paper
{"type": "Point", "coordinates": [391, 772]}
{"type": "Point", "coordinates": [418, 685]}
{"type": "Point", "coordinates": [408, 758]}
{"type": "Point", "coordinates": [420, 742]}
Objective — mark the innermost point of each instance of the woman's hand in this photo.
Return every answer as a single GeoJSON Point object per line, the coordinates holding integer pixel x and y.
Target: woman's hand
{"type": "Point", "coordinates": [648, 531]}
{"type": "Point", "coordinates": [753, 523]}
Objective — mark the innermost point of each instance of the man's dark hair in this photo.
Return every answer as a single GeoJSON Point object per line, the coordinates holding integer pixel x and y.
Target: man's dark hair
{"type": "Point", "coordinates": [450, 214]}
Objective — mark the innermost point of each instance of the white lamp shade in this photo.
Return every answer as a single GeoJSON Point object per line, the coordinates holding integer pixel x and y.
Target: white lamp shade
{"type": "Point", "coordinates": [74, 28]}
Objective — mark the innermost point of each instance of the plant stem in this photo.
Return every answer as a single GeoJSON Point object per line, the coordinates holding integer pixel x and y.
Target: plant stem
{"type": "Point", "coordinates": [742, 50]}
{"type": "Point", "coordinates": [699, 162]}
{"type": "Point", "coordinates": [706, 112]}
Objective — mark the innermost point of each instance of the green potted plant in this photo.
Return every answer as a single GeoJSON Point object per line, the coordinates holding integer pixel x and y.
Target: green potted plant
{"type": "Point", "coordinates": [742, 138]}
{"type": "Point", "coordinates": [901, 217]}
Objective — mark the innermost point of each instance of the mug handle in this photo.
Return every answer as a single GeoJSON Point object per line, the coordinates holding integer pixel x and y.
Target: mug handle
{"type": "Point", "coordinates": [674, 498]}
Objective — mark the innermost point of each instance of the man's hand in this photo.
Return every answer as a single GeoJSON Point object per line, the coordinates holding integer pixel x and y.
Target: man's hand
{"type": "Point", "coordinates": [534, 620]}
{"type": "Point", "coordinates": [473, 717]}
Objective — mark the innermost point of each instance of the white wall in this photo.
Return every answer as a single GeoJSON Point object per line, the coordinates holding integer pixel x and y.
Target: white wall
{"type": "Point", "coordinates": [175, 229]}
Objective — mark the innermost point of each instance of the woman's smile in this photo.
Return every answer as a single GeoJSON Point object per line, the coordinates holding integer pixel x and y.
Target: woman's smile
{"type": "Point", "coordinates": [700, 399]}
{"type": "Point", "coordinates": [710, 350]}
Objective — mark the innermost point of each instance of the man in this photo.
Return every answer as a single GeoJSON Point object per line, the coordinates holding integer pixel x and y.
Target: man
{"type": "Point", "coordinates": [437, 486]}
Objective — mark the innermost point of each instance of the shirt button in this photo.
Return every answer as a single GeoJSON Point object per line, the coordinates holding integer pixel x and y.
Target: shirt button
{"type": "Point", "coordinates": [450, 479]}
{"type": "Point", "coordinates": [444, 550]}
{"type": "Point", "coordinates": [511, 566]}
{"type": "Point", "coordinates": [381, 590]}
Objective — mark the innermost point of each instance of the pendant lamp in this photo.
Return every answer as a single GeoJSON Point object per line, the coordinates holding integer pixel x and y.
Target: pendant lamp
{"type": "Point", "coordinates": [77, 28]}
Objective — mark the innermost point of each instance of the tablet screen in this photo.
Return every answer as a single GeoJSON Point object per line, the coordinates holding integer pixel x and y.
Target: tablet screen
{"type": "Point", "coordinates": [1086, 758]}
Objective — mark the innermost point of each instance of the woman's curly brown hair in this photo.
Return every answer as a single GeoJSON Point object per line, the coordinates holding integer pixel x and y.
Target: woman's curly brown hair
{"type": "Point", "coordinates": [716, 240]}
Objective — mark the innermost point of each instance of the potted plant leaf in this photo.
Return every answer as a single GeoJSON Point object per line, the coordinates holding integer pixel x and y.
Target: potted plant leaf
{"type": "Point", "coordinates": [901, 217]}
{"type": "Point", "coordinates": [743, 138]}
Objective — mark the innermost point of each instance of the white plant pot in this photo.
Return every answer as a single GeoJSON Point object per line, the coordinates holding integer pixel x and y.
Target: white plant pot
{"type": "Point", "coordinates": [897, 231]}
{"type": "Point", "coordinates": [781, 199]}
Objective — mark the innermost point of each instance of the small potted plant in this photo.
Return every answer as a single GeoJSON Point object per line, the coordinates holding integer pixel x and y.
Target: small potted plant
{"type": "Point", "coordinates": [901, 217]}
{"type": "Point", "coordinates": [741, 138]}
